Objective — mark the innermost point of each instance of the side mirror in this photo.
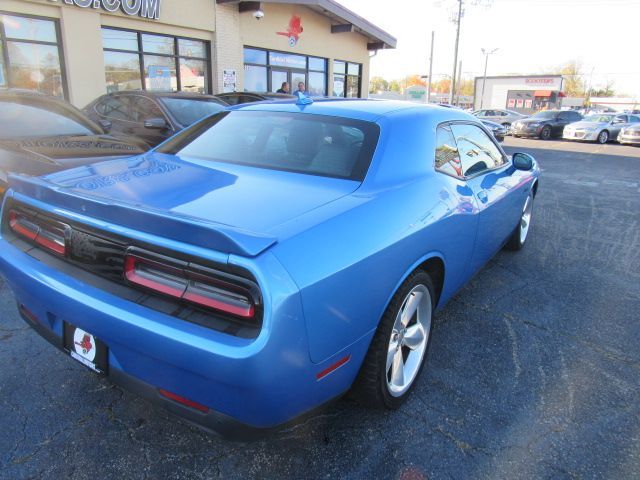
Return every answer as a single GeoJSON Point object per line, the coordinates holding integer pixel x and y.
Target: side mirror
{"type": "Point", "coordinates": [155, 123]}
{"type": "Point", "coordinates": [522, 161]}
{"type": "Point", "coordinates": [106, 125]}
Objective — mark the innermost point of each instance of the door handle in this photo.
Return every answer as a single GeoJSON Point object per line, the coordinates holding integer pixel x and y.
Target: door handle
{"type": "Point", "coordinates": [482, 196]}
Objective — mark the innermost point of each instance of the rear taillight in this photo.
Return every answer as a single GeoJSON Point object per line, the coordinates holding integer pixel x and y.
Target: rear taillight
{"type": "Point", "coordinates": [188, 283]}
{"type": "Point", "coordinates": [48, 236]}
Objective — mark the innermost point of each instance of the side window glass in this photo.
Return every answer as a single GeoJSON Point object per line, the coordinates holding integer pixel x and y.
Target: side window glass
{"type": "Point", "coordinates": [143, 109]}
{"type": "Point", "coordinates": [477, 151]}
{"type": "Point", "coordinates": [115, 108]}
{"type": "Point", "coordinates": [447, 156]}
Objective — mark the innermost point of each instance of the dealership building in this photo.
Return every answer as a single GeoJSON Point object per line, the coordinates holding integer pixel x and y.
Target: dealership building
{"type": "Point", "coordinates": [80, 49]}
{"type": "Point", "coordinates": [525, 94]}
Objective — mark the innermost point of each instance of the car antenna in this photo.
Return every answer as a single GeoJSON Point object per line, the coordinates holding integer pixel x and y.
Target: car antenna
{"type": "Point", "coordinates": [303, 99]}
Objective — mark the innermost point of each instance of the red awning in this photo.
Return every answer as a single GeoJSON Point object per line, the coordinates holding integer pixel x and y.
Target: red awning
{"type": "Point", "coordinates": [546, 93]}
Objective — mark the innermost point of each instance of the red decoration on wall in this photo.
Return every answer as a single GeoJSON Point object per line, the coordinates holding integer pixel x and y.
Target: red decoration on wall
{"type": "Point", "coordinates": [294, 30]}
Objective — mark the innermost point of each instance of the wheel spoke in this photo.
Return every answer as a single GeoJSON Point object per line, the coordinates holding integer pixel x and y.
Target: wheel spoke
{"type": "Point", "coordinates": [414, 336]}
{"type": "Point", "coordinates": [410, 307]}
{"type": "Point", "coordinates": [391, 353]}
{"type": "Point", "coordinates": [397, 369]}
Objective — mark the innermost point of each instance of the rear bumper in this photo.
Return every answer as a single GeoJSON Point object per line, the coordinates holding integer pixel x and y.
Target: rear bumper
{"type": "Point", "coordinates": [247, 384]}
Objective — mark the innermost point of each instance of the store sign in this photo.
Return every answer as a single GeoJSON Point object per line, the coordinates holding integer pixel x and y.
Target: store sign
{"type": "Point", "coordinates": [287, 60]}
{"type": "Point", "coordinates": [539, 81]}
{"type": "Point", "coordinates": [142, 8]}
{"type": "Point", "coordinates": [159, 78]}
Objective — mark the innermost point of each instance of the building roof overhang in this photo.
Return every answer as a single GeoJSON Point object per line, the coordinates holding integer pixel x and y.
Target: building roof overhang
{"type": "Point", "coordinates": [342, 19]}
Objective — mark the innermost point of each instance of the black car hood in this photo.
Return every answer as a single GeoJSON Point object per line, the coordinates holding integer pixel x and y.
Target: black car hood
{"type": "Point", "coordinates": [37, 156]}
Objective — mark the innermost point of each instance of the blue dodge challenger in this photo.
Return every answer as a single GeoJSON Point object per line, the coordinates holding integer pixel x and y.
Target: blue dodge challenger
{"type": "Point", "coordinates": [269, 258]}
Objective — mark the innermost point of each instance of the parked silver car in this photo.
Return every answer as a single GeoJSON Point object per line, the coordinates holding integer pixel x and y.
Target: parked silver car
{"type": "Point", "coordinates": [599, 127]}
{"type": "Point", "coordinates": [630, 134]}
{"type": "Point", "coordinates": [501, 116]}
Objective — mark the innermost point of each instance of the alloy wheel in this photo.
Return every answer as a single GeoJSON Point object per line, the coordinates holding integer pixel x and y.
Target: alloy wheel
{"type": "Point", "coordinates": [408, 341]}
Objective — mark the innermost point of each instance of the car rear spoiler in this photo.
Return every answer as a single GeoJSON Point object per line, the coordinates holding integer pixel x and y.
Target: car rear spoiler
{"type": "Point", "coordinates": [202, 233]}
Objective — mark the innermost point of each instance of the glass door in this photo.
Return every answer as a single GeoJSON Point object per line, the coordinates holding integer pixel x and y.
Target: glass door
{"type": "Point", "coordinates": [278, 77]}
{"type": "Point", "coordinates": [296, 78]}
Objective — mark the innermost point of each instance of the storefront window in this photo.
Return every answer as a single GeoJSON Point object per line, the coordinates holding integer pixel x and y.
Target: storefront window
{"type": "Point", "coordinates": [122, 71]}
{"type": "Point", "coordinates": [165, 63]}
{"type": "Point", "coordinates": [317, 84]}
{"type": "Point", "coordinates": [266, 70]}
{"type": "Point", "coordinates": [158, 44]}
{"type": "Point", "coordinates": [346, 79]}
{"type": "Point", "coordinates": [251, 55]}
{"type": "Point", "coordinates": [119, 39]}
{"type": "Point", "coordinates": [30, 56]}
{"type": "Point", "coordinates": [255, 78]}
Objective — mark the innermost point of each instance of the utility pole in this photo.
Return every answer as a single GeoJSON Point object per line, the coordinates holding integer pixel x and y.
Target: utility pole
{"type": "Point", "coordinates": [433, 34]}
{"type": "Point", "coordinates": [459, 82]}
{"type": "Point", "coordinates": [455, 55]}
{"type": "Point", "coordinates": [486, 53]}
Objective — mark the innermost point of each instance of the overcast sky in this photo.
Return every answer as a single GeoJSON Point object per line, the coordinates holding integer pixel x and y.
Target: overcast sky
{"type": "Point", "coordinates": [531, 36]}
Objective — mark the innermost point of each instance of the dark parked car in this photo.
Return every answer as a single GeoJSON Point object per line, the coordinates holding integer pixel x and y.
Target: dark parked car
{"type": "Point", "coordinates": [236, 98]}
{"type": "Point", "coordinates": [545, 124]}
{"type": "Point", "coordinates": [42, 134]}
{"type": "Point", "coordinates": [498, 131]}
{"type": "Point", "coordinates": [151, 116]}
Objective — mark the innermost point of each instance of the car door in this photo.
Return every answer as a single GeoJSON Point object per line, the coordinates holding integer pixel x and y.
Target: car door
{"type": "Point", "coordinates": [145, 108]}
{"type": "Point", "coordinates": [616, 125]}
{"type": "Point", "coordinates": [562, 120]}
{"type": "Point", "coordinates": [115, 110]}
{"type": "Point", "coordinates": [499, 189]}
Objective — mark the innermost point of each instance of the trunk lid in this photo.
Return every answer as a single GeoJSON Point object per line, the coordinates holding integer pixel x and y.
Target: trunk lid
{"type": "Point", "coordinates": [225, 207]}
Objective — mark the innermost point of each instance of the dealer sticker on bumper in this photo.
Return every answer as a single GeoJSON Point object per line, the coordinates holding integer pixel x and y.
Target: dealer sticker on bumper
{"type": "Point", "coordinates": [85, 348]}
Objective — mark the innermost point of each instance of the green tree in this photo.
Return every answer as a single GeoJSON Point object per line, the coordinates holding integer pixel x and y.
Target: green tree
{"type": "Point", "coordinates": [378, 84]}
{"type": "Point", "coordinates": [574, 83]}
{"type": "Point", "coordinates": [394, 86]}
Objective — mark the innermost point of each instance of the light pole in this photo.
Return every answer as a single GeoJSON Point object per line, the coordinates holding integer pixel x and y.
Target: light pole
{"type": "Point", "coordinates": [455, 53]}
{"type": "Point", "coordinates": [486, 53]}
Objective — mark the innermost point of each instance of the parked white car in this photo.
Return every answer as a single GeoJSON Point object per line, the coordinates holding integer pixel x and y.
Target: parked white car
{"type": "Point", "coordinates": [600, 127]}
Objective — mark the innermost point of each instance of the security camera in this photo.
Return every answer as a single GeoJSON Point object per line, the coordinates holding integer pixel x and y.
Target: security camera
{"type": "Point", "coordinates": [258, 14]}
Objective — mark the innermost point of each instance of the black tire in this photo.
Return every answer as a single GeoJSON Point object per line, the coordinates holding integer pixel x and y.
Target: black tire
{"type": "Point", "coordinates": [545, 133]}
{"type": "Point", "coordinates": [516, 240]}
{"type": "Point", "coordinates": [371, 386]}
{"type": "Point", "coordinates": [603, 137]}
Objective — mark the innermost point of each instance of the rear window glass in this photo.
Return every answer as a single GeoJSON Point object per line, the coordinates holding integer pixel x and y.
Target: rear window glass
{"type": "Point", "coordinates": [29, 121]}
{"type": "Point", "coordinates": [188, 111]}
{"type": "Point", "coordinates": [295, 142]}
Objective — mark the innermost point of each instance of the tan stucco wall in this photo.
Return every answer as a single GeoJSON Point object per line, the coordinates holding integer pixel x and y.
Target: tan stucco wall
{"type": "Point", "coordinates": [82, 40]}
{"type": "Point", "coordinates": [316, 39]}
{"type": "Point", "coordinates": [222, 25]}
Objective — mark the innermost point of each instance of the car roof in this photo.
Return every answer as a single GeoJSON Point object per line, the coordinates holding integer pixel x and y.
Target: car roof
{"type": "Point", "coordinates": [362, 109]}
{"type": "Point", "coordinates": [147, 93]}
{"type": "Point", "coordinates": [257, 94]}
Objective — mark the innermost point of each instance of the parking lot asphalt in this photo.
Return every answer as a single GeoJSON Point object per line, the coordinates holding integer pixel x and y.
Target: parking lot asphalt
{"type": "Point", "coordinates": [533, 371]}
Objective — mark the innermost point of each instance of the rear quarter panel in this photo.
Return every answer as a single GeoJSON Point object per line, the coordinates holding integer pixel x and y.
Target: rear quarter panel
{"type": "Point", "coordinates": [349, 266]}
